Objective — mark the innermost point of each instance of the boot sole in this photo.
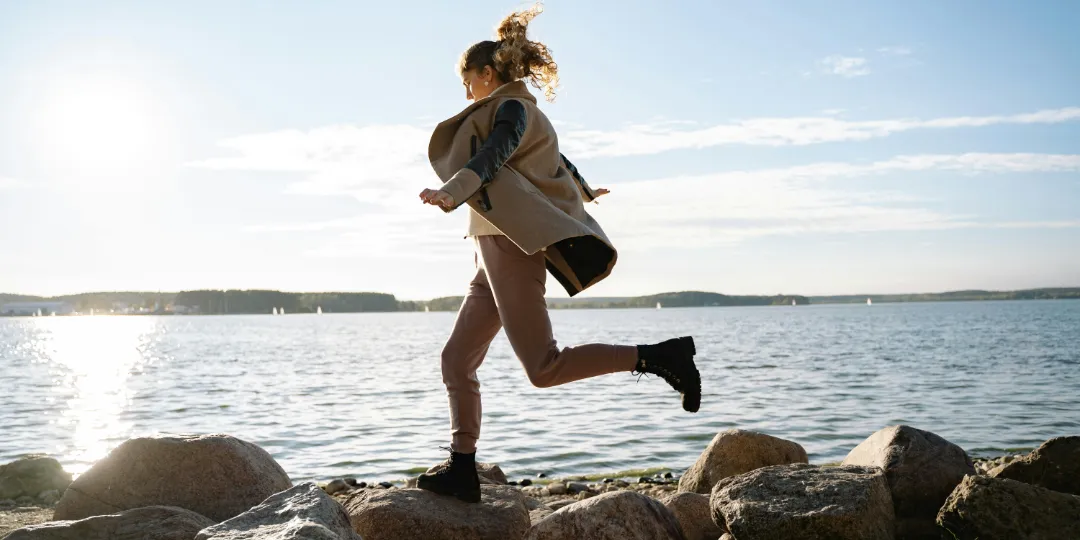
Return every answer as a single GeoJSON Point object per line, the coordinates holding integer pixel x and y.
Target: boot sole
{"type": "Point", "coordinates": [691, 401]}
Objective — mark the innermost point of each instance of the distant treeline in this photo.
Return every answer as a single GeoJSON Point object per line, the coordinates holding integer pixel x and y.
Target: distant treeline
{"type": "Point", "coordinates": [265, 301]}
{"type": "Point", "coordinates": [954, 296]}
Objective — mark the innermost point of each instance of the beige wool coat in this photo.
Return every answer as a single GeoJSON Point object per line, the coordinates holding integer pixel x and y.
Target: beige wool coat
{"type": "Point", "coordinates": [533, 199]}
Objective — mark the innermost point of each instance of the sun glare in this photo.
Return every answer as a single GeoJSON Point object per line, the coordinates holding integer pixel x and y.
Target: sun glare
{"type": "Point", "coordinates": [100, 124]}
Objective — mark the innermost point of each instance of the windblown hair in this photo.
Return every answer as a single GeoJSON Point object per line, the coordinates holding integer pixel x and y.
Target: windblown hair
{"type": "Point", "coordinates": [513, 56]}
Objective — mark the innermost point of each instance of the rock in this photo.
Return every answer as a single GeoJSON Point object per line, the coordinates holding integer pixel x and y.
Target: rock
{"type": "Point", "coordinates": [303, 512]}
{"type": "Point", "coordinates": [668, 475]}
{"type": "Point", "coordinates": [336, 486]}
{"type": "Point", "coordinates": [607, 480]}
{"type": "Point", "coordinates": [49, 497]}
{"type": "Point", "coordinates": [805, 502]}
{"type": "Point", "coordinates": [537, 510]}
{"type": "Point", "coordinates": [217, 476]}
{"type": "Point", "coordinates": [556, 488]}
{"type": "Point", "coordinates": [921, 468]}
{"type": "Point", "coordinates": [693, 513]}
{"type": "Point", "coordinates": [622, 515]}
{"type": "Point", "coordinates": [1054, 465]}
{"type": "Point", "coordinates": [386, 485]}
{"type": "Point", "coordinates": [147, 523]}
{"type": "Point", "coordinates": [727, 536]}
{"type": "Point", "coordinates": [737, 451]}
{"type": "Point", "coordinates": [644, 480]}
{"type": "Point", "coordinates": [525, 482]}
{"type": "Point", "coordinates": [541, 475]}
{"type": "Point", "coordinates": [351, 481]}
{"type": "Point", "coordinates": [32, 475]}
{"type": "Point", "coordinates": [622, 483]}
{"type": "Point", "coordinates": [991, 508]}
{"type": "Point", "coordinates": [560, 504]}
{"type": "Point", "coordinates": [576, 487]}
{"type": "Point", "coordinates": [414, 513]}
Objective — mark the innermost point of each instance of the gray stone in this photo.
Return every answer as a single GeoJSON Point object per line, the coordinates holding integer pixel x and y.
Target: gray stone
{"type": "Point", "coordinates": [32, 475]}
{"type": "Point", "coordinates": [400, 514]}
{"type": "Point", "coordinates": [623, 515]}
{"type": "Point", "coordinates": [990, 508]}
{"type": "Point", "coordinates": [218, 476]}
{"type": "Point", "coordinates": [576, 487]}
{"type": "Point", "coordinates": [336, 486]}
{"type": "Point", "coordinates": [805, 502]}
{"type": "Point", "coordinates": [922, 469]}
{"type": "Point", "coordinates": [1053, 465]}
{"type": "Point", "coordinates": [303, 512]}
{"type": "Point", "coordinates": [737, 451]}
{"type": "Point", "coordinates": [561, 503]}
{"type": "Point", "coordinates": [557, 488]}
{"type": "Point", "coordinates": [695, 517]}
{"type": "Point", "coordinates": [148, 523]}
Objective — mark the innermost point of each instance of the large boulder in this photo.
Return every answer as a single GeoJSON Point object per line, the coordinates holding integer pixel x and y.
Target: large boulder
{"type": "Point", "coordinates": [922, 469]}
{"type": "Point", "coordinates": [617, 515]}
{"type": "Point", "coordinates": [147, 523]}
{"type": "Point", "coordinates": [737, 451]}
{"type": "Point", "coordinates": [805, 502]}
{"type": "Point", "coordinates": [217, 476]}
{"type": "Point", "coordinates": [398, 514]}
{"type": "Point", "coordinates": [304, 512]}
{"type": "Point", "coordinates": [31, 476]}
{"type": "Point", "coordinates": [1054, 465]}
{"type": "Point", "coordinates": [991, 508]}
{"type": "Point", "coordinates": [693, 513]}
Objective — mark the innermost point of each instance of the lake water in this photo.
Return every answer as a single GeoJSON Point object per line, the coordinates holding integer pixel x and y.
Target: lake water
{"type": "Point", "coordinates": [361, 394]}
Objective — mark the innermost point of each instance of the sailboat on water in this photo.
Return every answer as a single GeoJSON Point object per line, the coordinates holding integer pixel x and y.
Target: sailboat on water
{"type": "Point", "coordinates": [274, 312]}
{"type": "Point", "coordinates": [658, 306]}
{"type": "Point", "coordinates": [318, 310]}
{"type": "Point", "coordinates": [869, 302]}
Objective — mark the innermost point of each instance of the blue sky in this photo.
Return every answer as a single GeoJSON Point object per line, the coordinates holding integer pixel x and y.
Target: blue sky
{"type": "Point", "coordinates": [750, 147]}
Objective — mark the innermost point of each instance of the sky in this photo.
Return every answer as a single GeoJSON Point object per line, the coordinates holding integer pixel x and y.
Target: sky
{"type": "Point", "coordinates": [751, 147]}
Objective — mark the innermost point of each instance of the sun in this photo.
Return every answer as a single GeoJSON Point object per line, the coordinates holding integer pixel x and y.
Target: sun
{"type": "Point", "coordinates": [100, 124]}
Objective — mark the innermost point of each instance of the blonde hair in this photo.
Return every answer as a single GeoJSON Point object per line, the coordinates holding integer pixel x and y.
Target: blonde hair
{"type": "Point", "coordinates": [514, 56]}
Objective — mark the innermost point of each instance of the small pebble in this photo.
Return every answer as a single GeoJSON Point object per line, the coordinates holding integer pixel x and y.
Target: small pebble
{"type": "Point", "coordinates": [336, 486]}
{"type": "Point", "coordinates": [669, 475]}
{"type": "Point", "coordinates": [607, 480]}
{"type": "Point", "coordinates": [556, 488]}
{"type": "Point", "coordinates": [511, 482]}
{"type": "Point", "coordinates": [577, 487]}
{"type": "Point", "coordinates": [644, 480]}
{"type": "Point", "coordinates": [525, 482]}
{"type": "Point", "coordinates": [541, 475]}
{"type": "Point", "coordinates": [351, 481]}
{"type": "Point", "coordinates": [386, 485]}
{"type": "Point", "coordinates": [362, 484]}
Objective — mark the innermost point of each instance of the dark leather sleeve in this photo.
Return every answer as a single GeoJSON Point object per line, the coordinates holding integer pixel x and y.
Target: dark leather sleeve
{"type": "Point", "coordinates": [577, 176]}
{"type": "Point", "coordinates": [510, 123]}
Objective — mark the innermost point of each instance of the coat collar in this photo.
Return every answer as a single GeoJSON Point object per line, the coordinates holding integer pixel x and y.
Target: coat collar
{"type": "Point", "coordinates": [516, 90]}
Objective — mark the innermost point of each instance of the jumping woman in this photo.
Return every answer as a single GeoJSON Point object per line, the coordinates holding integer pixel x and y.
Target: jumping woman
{"type": "Point", "coordinates": [500, 157]}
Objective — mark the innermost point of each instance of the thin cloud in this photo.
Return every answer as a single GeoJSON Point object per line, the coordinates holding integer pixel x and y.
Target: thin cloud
{"type": "Point", "coordinates": [844, 66]}
{"type": "Point", "coordinates": [646, 139]}
{"type": "Point", "coordinates": [895, 51]}
{"type": "Point", "coordinates": [11, 183]}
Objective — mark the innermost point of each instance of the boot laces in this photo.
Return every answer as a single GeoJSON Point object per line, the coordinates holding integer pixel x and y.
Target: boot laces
{"type": "Point", "coordinates": [663, 372]}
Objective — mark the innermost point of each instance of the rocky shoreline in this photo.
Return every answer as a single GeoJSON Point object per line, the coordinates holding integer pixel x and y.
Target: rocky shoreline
{"type": "Point", "coordinates": [900, 483]}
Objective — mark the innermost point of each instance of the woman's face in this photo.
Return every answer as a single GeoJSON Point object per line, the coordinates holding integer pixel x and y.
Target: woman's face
{"type": "Point", "coordinates": [479, 83]}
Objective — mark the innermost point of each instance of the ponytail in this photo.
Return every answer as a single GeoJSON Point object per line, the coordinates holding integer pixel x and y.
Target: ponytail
{"type": "Point", "coordinates": [514, 56]}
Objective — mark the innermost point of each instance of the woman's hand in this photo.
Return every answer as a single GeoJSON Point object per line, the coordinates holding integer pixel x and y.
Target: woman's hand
{"type": "Point", "coordinates": [598, 192]}
{"type": "Point", "coordinates": [437, 197]}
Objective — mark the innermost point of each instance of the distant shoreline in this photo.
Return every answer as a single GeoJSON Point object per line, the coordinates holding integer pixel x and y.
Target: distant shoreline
{"type": "Point", "coordinates": [253, 302]}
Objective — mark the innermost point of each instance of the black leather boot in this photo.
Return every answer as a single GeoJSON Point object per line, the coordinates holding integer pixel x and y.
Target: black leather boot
{"type": "Point", "coordinates": [457, 478]}
{"type": "Point", "coordinates": [673, 360]}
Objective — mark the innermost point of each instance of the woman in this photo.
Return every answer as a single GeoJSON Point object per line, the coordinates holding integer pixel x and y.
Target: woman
{"type": "Point", "coordinates": [500, 156]}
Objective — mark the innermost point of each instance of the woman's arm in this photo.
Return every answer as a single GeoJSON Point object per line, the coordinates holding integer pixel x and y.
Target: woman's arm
{"type": "Point", "coordinates": [511, 120]}
{"type": "Point", "coordinates": [587, 193]}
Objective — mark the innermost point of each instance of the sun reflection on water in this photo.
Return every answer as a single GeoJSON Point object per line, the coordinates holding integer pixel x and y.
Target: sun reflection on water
{"type": "Point", "coordinates": [92, 360]}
